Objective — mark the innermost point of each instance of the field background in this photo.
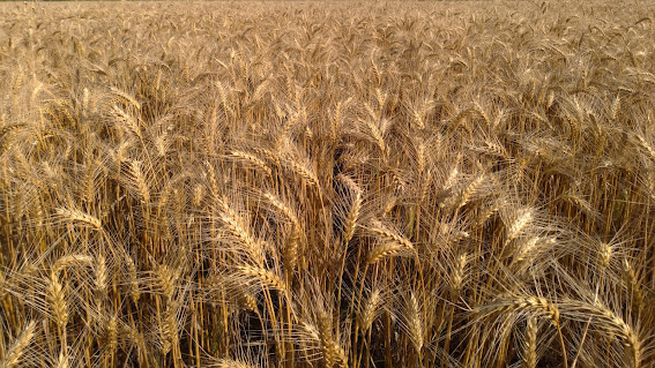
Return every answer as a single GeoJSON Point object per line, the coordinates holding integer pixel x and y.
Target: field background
{"type": "Point", "coordinates": [271, 184]}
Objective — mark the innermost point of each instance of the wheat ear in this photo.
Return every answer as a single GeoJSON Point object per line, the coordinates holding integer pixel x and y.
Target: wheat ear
{"type": "Point", "coordinates": [18, 348]}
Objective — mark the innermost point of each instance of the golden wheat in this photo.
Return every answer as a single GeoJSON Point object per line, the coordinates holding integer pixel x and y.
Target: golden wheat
{"type": "Point", "coordinates": [283, 184]}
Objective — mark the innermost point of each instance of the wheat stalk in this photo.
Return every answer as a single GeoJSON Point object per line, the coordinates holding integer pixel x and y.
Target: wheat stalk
{"type": "Point", "coordinates": [236, 227]}
{"type": "Point", "coordinates": [16, 350]}
{"type": "Point", "coordinates": [611, 323]}
{"type": "Point", "coordinates": [251, 159]}
{"type": "Point", "coordinates": [530, 353]}
{"type": "Point", "coordinates": [263, 276]}
{"type": "Point", "coordinates": [78, 217]}
{"type": "Point", "coordinates": [521, 220]}
{"type": "Point", "coordinates": [101, 275]}
{"type": "Point", "coordinates": [355, 209]}
{"type": "Point", "coordinates": [137, 180]}
{"type": "Point", "coordinates": [370, 310]}
{"type": "Point", "coordinates": [133, 279]}
{"type": "Point", "coordinates": [56, 298]}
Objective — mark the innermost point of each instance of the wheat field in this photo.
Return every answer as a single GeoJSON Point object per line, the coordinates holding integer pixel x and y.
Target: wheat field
{"type": "Point", "coordinates": [271, 184]}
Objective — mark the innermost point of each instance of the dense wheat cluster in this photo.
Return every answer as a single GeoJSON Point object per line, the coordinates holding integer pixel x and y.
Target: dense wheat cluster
{"type": "Point", "coordinates": [327, 185]}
